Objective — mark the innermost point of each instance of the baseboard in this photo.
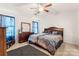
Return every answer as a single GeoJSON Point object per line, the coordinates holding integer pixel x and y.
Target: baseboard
{"type": "Point", "coordinates": [72, 43]}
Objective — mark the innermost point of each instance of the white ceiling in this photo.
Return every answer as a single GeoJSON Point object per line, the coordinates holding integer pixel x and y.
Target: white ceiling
{"type": "Point", "coordinates": [54, 9]}
{"type": "Point", "coordinates": [66, 6]}
{"type": "Point", "coordinates": [59, 6]}
{"type": "Point", "coordinates": [56, 6]}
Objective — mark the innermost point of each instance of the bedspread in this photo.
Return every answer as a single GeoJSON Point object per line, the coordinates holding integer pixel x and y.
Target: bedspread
{"type": "Point", "coordinates": [47, 41]}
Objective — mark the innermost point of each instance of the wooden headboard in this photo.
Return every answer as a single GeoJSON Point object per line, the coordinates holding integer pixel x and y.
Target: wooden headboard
{"type": "Point", "coordinates": [52, 29]}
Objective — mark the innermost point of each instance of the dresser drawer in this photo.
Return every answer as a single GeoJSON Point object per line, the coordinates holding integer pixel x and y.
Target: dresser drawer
{"type": "Point", "coordinates": [1, 33]}
{"type": "Point", "coordinates": [1, 44]}
{"type": "Point", "coordinates": [1, 52]}
{"type": "Point", "coordinates": [2, 41]}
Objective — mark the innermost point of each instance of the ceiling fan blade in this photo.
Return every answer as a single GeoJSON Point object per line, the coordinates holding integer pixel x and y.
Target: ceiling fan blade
{"type": "Point", "coordinates": [46, 10]}
{"type": "Point", "coordinates": [48, 5]}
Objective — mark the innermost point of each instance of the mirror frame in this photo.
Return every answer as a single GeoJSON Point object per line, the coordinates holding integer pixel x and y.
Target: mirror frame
{"type": "Point", "coordinates": [27, 24]}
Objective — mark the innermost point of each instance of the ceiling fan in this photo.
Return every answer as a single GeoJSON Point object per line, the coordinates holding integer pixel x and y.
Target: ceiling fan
{"type": "Point", "coordinates": [45, 7]}
{"type": "Point", "coordinates": [42, 7]}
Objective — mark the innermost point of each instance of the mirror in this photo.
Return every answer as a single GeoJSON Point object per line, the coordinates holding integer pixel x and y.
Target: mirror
{"type": "Point", "coordinates": [25, 27]}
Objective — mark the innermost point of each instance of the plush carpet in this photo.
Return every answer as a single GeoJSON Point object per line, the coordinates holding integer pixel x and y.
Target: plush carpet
{"type": "Point", "coordinates": [26, 51]}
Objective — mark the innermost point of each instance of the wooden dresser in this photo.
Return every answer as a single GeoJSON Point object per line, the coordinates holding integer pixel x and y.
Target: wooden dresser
{"type": "Point", "coordinates": [2, 41]}
{"type": "Point", "coordinates": [23, 37]}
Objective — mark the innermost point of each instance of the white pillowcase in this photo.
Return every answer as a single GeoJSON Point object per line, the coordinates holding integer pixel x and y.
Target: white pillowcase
{"type": "Point", "coordinates": [54, 32]}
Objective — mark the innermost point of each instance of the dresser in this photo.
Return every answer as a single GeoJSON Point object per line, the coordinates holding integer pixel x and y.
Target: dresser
{"type": "Point", "coordinates": [23, 37]}
{"type": "Point", "coordinates": [2, 41]}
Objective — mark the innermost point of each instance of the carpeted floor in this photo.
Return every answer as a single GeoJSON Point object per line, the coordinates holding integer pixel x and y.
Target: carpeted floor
{"type": "Point", "coordinates": [26, 51]}
{"type": "Point", "coordinates": [66, 49]}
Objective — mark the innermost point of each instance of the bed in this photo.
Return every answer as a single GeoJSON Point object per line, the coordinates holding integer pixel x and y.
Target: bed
{"type": "Point", "coordinates": [50, 40]}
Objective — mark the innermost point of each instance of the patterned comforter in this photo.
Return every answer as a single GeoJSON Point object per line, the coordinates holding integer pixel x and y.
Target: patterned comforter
{"type": "Point", "coordinates": [47, 41]}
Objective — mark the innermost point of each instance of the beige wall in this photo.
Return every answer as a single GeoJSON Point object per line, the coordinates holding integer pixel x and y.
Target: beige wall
{"type": "Point", "coordinates": [66, 20]}
{"type": "Point", "coordinates": [77, 42]}
{"type": "Point", "coordinates": [8, 11]}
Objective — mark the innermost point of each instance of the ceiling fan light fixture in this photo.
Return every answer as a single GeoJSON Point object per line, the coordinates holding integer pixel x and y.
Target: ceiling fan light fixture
{"type": "Point", "coordinates": [41, 9]}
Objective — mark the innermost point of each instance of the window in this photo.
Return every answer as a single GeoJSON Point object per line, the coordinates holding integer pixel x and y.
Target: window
{"type": "Point", "coordinates": [9, 23]}
{"type": "Point", "coordinates": [35, 27]}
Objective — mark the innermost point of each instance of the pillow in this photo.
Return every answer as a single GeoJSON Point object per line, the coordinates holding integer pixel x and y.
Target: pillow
{"type": "Point", "coordinates": [47, 31]}
{"type": "Point", "coordinates": [54, 32]}
{"type": "Point", "coordinates": [59, 33]}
